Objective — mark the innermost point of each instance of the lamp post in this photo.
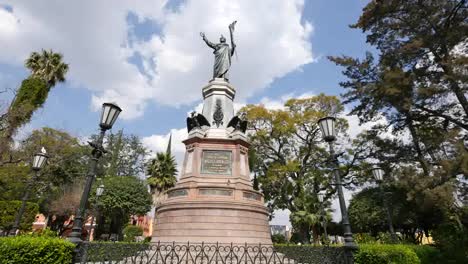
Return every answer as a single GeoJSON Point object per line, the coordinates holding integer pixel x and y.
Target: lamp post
{"type": "Point", "coordinates": [321, 197]}
{"type": "Point", "coordinates": [39, 161]}
{"type": "Point", "coordinates": [109, 114]}
{"type": "Point", "coordinates": [378, 174]}
{"type": "Point", "coordinates": [327, 126]}
{"type": "Point", "coordinates": [99, 191]}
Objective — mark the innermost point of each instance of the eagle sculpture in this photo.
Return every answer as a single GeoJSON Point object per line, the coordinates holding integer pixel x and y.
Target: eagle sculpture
{"type": "Point", "coordinates": [238, 123]}
{"type": "Point", "coordinates": [196, 121]}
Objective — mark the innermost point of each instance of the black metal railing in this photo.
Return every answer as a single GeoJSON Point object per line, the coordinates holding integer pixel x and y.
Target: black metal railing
{"type": "Point", "coordinates": [202, 253]}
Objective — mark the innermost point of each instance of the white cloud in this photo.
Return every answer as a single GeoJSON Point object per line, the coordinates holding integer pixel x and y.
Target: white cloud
{"type": "Point", "coordinates": [97, 42]}
{"type": "Point", "coordinates": [158, 143]}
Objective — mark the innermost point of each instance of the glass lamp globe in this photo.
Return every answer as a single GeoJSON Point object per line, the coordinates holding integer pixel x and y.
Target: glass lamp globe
{"type": "Point", "coordinates": [39, 160]}
{"type": "Point", "coordinates": [99, 190]}
{"type": "Point", "coordinates": [110, 112]}
{"type": "Point", "coordinates": [320, 197]}
{"type": "Point", "coordinates": [327, 126]}
{"type": "Point", "coordinates": [378, 173]}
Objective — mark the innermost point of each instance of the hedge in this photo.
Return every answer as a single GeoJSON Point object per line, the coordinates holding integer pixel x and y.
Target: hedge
{"type": "Point", "coordinates": [35, 250]}
{"type": "Point", "coordinates": [367, 254]}
{"type": "Point", "coordinates": [383, 253]}
{"type": "Point", "coordinates": [427, 254]}
{"type": "Point", "coordinates": [9, 210]}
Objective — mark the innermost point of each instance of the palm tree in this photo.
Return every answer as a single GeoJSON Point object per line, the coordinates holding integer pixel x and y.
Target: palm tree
{"type": "Point", "coordinates": [162, 172]}
{"type": "Point", "coordinates": [47, 66]}
{"type": "Point", "coordinates": [47, 69]}
{"type": "Point", "coordinates": [307, 221]}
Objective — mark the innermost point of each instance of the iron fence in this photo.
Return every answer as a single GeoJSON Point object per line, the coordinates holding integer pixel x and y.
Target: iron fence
{"type": "Point", "coordinates": [201, 253]}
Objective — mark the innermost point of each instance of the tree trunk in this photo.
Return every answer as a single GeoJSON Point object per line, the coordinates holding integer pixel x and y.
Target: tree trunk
{"type": "Point", "coordinates": [417, 144]}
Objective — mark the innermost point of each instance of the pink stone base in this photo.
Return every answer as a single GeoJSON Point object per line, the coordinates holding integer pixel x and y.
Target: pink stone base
{"type": "Point", "coordinates": [211, 222]}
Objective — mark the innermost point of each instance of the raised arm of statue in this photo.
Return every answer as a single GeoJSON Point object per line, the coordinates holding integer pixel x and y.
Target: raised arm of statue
{"type": "Point", "coordinates": [231, 31]}
{"type": "Point", "coordinates": [209, 43]}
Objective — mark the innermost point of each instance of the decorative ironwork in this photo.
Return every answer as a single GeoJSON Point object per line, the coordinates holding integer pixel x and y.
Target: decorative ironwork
{"type": "Point", "coordinates": [200, 253]}
{"type": "Point", "coordinates": [218, 114]}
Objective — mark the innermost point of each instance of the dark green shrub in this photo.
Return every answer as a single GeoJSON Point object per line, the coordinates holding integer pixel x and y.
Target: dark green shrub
{"type": "Point", "coordinates": [112, 251]}
{"type": "Point", "coordinates": [426, 254]}
{"type": "Point", "coordinates": [452, 240]}
{"type": "Point", "coordinates": [130, 232]}
{"type": "Point", "coordinates": [31, 95]}
{"type": "Point", "coordinates": [8, 211]}
{"type": "Point", "coordinates": [44, 233]}
{"type": "Point", "coordinates": [382, 254]}
{"type": "Point", "coordinates": [310, 254]}
{"type": "Point", "coordinates": [278, 239]}
{"type": "Point", "coordinates": [35, 250]}
{"type": "Point", "coordinates": [364, 238]}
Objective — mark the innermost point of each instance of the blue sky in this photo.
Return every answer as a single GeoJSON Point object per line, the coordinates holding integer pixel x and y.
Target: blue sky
{"type": "Point", "coordinates": [148, 56]}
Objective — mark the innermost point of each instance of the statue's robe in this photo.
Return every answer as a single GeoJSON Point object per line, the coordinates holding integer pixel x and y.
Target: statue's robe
{"type": "Point", "coordinates": [222, 53]}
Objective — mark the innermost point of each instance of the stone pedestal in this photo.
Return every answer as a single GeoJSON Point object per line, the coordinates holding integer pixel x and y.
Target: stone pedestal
{"type": "Point", "coordinates": [213, 200]}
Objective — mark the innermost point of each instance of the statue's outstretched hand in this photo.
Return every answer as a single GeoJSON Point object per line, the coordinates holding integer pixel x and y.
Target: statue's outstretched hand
{"type": "Point", "coordinates": [202, 34]}
{"type": "Point", "coordinates": [232, 25]}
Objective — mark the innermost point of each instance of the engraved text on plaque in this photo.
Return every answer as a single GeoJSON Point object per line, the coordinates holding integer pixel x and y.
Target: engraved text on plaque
{"type": "Point", "coordinates": [216, 162]}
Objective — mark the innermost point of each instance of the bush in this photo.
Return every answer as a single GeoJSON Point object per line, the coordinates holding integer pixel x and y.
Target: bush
{"type": "Point", "coordinates": [9, 210]}
{"type": "Point", "coordinates": [278, 239]}
{"type": "Point", "coordinates": [44, 233]}
{"type": "Point", "coordinates": [452, 240]}
{"type": "Point", "coordinates": [381, 254]}
{"type": "Point", "coordinates": [131, 232]}
{"type": "Point", "coordinates": [310, 254]}
{"type": "Point", "coordinates": [426, 254]}
{"type": "Point", "coordinates": [32, 250]}
{"type": "Point", "coordinates": [112, 252]}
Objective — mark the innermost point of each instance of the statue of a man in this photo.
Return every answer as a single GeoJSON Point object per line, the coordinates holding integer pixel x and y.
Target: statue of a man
{"type": "Point", "coordinates": [223, 53]}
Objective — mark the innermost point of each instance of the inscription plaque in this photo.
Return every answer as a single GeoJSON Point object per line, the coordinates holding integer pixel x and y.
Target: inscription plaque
{"type": "Point", "coordinates": [216, 162]}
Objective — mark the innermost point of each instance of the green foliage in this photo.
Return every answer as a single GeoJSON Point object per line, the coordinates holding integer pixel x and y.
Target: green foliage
{"type": "Point", "coordinates": [416, 86]}
{"type": "Point", "coordinates": [131, 232]}
{"type": "Point", "coordinates": [452, 239]}
{"type": "Point", "coordinates": [126, 155]}
{"type": "Point", "coordinates": [290, 163]}
{"type": "Point", "coordinates": [44, 233]}
{"type": "Point", "coordinates": [278, 239]}
{"type": "Point", "coordinates": [364, 238]}
{"type": "Point", "coordinates": [35, 250]}
{"type": "Point", "coordinates": [427, 254]}
{"type": "Point", "coordinates": [123, 196]}
{"type": "Point", "coordinates": [113, 252]}
{"type": "Point", "coordinates": [311, 254]}
{"type": "Point", "coordinates": [47, 69]}
{"type": "Point", "coordinates": [381, 254]}
{"type": "Point", "coordinates": [66, 165]}
{"type": "Point", "coordinates": [12, 180]}
{"type": "Point", "coordinates": [162, 171]}
{"type": "Point", "coordinates": [9, 210]}
{"type": "Point", "coordinates": [30, 96]}
{"type": "Point", "coordinates": [47, 66]}
{"type": "Point", "coordinates": [367, 213]}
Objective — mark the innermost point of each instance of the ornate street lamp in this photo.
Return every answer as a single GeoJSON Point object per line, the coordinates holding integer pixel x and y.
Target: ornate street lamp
{"type": "Point", "coordinates": [109, 115]}
{"type": "Point", "coordinates": [327, 126]}
{"type": "Point", "coordinates": [378, 174]}
{"type": "Point", "coordinates": [99, 191]}
{"type": "Point", "coordinates": [38, 162]}
{"type": "Point", "coordinates": [321, 197]}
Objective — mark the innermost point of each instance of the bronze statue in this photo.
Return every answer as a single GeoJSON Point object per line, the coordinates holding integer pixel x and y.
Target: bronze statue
{"type": "Point", "coordinates": [222, 52]}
